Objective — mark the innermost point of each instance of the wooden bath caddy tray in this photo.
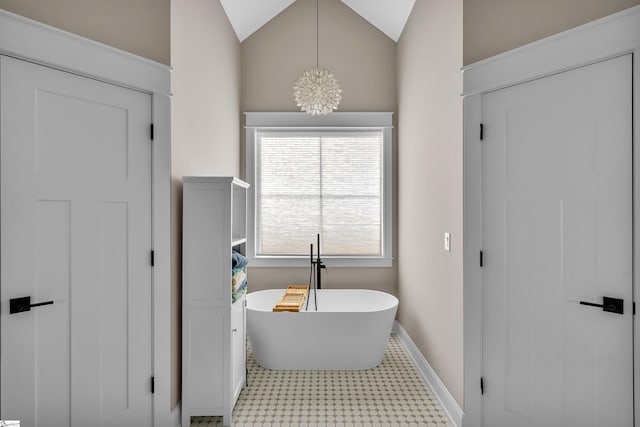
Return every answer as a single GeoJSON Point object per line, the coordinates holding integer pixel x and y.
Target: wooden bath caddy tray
{"type": "Point", "coordinates": [293, 299]}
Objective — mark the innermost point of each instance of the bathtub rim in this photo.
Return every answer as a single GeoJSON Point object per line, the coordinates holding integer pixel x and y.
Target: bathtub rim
{"type": "Point", "coordinates": [393, 302]}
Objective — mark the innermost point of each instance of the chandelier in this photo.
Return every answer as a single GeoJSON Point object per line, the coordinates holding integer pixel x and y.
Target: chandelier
{"type": "Point", "coordinates": [316, 91]}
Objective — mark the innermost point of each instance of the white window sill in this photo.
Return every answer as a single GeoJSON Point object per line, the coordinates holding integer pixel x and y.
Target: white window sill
{"type": "Point", "coordinates": [330, 262]}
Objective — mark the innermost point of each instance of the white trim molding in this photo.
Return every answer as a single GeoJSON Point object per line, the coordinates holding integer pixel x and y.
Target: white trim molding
{"type": "Point", "coordinates": [445, 398]}
{"type": "Point", "coordinates": [33, 41]}
{"type": "Point", "coordinates": [602, 39]}
{"type": "Point", "coordinates": [606, 38]}
{"type": "Point", "coordinates": [176, 416]}
{"type": "Point", "coordinates": [300, 120]}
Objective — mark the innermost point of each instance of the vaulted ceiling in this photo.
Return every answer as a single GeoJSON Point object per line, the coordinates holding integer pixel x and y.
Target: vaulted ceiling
{"type": "Point", "coordinates": [247, 16]}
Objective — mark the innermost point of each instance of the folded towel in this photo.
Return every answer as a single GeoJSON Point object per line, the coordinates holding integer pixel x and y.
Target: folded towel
{"type": "Point", "coordinates": [241, 291]}
{"type": "Point", "coordinates": [237, 280]}
{"type": "Point", "coordinates": [237, 296]}
{"type": "Point", "coordinates": [238, 260]}
{"type": "Point", "coordinates": [242, 287]}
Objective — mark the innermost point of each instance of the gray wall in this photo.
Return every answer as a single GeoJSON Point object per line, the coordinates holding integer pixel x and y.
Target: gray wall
{"type": "Point", "coordinates": [363, 60]}
{"type": "Point", "coordinates": [430, 182]}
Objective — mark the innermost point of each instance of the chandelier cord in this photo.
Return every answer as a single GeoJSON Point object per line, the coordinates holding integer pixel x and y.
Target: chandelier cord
{"type": "Point", "coordinates": [317, 32]}
{"type": "Point", "coordinates": [316, 91]}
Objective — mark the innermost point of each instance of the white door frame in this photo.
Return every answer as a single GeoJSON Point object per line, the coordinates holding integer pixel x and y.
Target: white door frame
{"type": "Point", "coordinates": [605, 38]}
{"type": "Point", "coordinates": [33, 41]}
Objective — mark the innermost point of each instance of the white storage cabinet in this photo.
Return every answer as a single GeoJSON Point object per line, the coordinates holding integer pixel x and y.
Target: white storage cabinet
{"type": "Point", "coordinates": [213, 328]}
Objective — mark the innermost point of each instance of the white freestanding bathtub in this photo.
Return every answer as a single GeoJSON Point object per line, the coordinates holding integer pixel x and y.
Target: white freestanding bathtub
{"type": "Point", "coordinates": [350, 330]}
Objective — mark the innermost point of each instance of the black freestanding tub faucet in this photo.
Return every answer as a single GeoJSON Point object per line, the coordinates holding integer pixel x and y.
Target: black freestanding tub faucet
{"type": "Point", "coordinates": [319, 266]}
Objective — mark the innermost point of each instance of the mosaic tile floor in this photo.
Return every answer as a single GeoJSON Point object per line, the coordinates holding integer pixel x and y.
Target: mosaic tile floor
{"type": "Point", "coordinates": [392, 394]}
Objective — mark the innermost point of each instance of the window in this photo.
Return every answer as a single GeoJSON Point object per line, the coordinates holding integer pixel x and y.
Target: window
{"type": "Point", "coordinates": [329, 175]}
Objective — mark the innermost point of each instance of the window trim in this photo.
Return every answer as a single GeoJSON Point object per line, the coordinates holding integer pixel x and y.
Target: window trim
{"type": "Point", "coordinates": [273, 121]}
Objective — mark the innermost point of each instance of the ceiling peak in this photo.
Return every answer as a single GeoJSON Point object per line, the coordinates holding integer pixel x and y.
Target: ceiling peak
{"type": "Point", "coordinates": [248, 16]}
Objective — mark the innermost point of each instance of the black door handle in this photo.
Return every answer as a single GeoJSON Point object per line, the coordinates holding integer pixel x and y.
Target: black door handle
{"type": "Point", "coordinates": [18, 305]}
{"type": "Point", "coordinates": [611, 305]}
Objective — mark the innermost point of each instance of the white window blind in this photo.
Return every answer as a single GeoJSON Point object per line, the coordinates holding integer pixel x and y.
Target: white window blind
{"type": "Point", "coordinates": [327, 182]}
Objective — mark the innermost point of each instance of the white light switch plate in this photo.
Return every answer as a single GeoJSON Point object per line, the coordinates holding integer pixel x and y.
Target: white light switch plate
{"type": "Point", "coordinates": [447, 242]}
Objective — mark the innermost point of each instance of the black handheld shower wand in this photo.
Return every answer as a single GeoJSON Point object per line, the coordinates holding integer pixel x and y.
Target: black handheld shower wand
{"type": "Point", "coordinates": [319, 266]}
{"type": "Point", "coordinates": [312, 277]}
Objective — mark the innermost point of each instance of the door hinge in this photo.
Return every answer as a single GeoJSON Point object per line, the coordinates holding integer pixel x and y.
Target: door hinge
{"type": "Point", "coordinates": [634, 309]}
{"type": "Point", "coordinates": [481, 259]}
{"type": "Point", "coordinates": [151, 131]}
{"type": "Point", "coordinates": [481, 132]}
{"type": "Point", "coordinates": [481, 385]}
{"type": "Point", "coordinates": [153, 385]}
{"type": "Point", "coordinates": [153, 261]}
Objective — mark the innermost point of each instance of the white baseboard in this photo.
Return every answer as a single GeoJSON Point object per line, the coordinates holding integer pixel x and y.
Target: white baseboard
{"type": "Point", "coordinates": [176, 415]}
{"type": "Point", "coordinates": [447, 401]}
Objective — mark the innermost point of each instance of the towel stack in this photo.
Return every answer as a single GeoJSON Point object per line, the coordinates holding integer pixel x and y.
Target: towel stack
{"type": "Point", "coordinates": [238, 275]}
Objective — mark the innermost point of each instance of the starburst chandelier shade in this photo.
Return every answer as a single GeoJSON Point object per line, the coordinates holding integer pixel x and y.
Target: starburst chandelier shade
{"type": "Point", "coordinates": [317, 91]}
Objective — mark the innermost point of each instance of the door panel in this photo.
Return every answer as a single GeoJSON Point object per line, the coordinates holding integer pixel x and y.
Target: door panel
{"type": "Point", "coordinates": [237, 346]}
{"type": "Point", "coordinates": [557, 230]}
{"type": "Point", "coordinates": [76, 229]}
{"type": "Point", "coordinates": [52, 276]}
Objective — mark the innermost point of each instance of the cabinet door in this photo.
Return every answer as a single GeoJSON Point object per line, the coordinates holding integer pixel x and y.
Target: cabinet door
{"type": "Point", "coordinates": [203, 358]}
{"type": "Point", "coordinates": [238, 358]}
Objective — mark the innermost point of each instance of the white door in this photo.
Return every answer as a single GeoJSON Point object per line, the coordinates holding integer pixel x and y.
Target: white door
{"type": "Point", "coordinates": [76, 230]}
{"type": "Point", "coordinates": [557, 230]}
